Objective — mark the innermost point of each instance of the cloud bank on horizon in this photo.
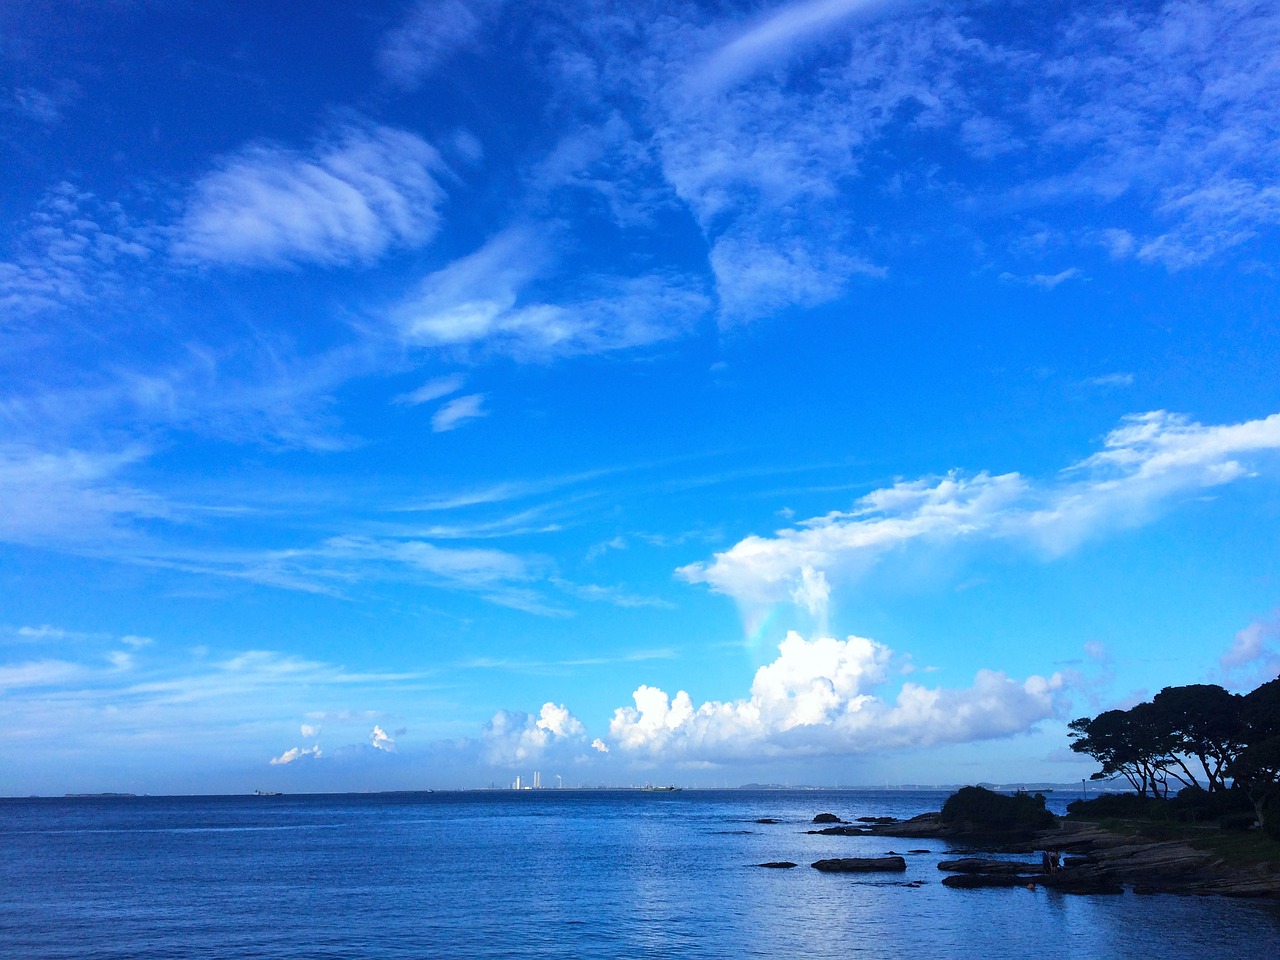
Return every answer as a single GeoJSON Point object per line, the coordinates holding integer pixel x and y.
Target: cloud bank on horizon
{"type": "Point", "coordinates": [503, 352]}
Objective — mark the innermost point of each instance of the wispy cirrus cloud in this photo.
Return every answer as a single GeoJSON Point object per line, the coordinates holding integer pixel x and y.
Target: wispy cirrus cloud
{"type": "Point", "coordinates": [457, 412]}
{"type": "Point", "coordinates": [345, 201]}
{"type": "Point", "coordinates": [72, 495]}
{"type": "Point", "coordinates": [485, 301]}
{"type": "Point", "coordinates": [431, 390]}
{"type": "Point", "coordinates": [1045, 281]}
{"type": "Point", "coordinates": [1146, 463]}
{"type": "Point", "coordinates": [775, 36]}
{"type": "Point", "coordinates": [432, 32]}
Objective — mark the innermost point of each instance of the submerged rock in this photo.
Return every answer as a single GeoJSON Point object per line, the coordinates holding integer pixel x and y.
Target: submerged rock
{"type": "Point", "coordinates": [841, 832]}
{"type": "Point", "coordinates": [768, 820]}
{"type": "Point", "coordinates": [978, 881]}
{"type": "Point", "coordinates": [861, 865]}
{"type": "Point", "coordinates": [777, 864]}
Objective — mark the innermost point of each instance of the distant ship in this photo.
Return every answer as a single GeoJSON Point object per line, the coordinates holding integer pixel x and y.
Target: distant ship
{"type": "Point", "coordinates": [266, 793]}
{"type": "Point", "coordinates": [652, 789]}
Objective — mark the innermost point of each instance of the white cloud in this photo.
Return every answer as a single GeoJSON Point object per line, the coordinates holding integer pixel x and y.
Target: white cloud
{"type": "Point", "coordinates": [815, 699]}
{"type": "Point", "coordinates": [74, 249]}
{"type": "Point", "coordinates": [431, 390]}
{"type": "Point", "coordinates": [513, 737]}
{"type": "Point", "coordinates": [136, 642]}
{"type": "Point", "coordinates": [1110, 380]}
{"type": "Point", "coordinates": [1044, 281]}
{"type": "Point", "coordinates": [813, 593]}
{"type": "Point", "coordinates": [758, 274]}
{"type": "Point", "coordinates": [310, 730]}
{"type": "Point", "coordinates": [47, 632]}
{"type": "Point", "coordinates": [296, 753]}
{"type": "Point", "coordinates": [1254, 655]}
{"type": "Point", "coordinates": [479, 300]}
{"type": "Point", "coordinates": [1145, 463]}
{"type": "Point", "coordinates": [599, 746]}
{"type": "Point", "coordinates": [71, 495]}
{"type": "Point", "coordinates": [430, 35]}
{"type": "Point", "coordinates": [347, 201]}
{"type": "Point", "coordinates": [457, 412]}
{"type": "Point", "coordinates": [40, 673]}
{"type": "Point", "coordinates": [774, 37]}
{"type": "Point", "coordinates": [379, 739]}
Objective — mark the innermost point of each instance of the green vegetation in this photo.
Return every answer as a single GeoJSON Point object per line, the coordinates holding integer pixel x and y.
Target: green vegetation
{"type": "Point", "coordinates": [980, 809]}
{"type": "Point", "coordinates": [1232, 740]}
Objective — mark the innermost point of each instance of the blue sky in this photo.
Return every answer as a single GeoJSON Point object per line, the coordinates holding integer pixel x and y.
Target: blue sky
{"type": "Point", "coordinates": [421, 394]}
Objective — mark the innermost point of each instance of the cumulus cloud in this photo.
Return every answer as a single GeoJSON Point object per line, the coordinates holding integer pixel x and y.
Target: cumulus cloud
{"type": "Point", "coordinates": [379, 739]}
{"type": "Point", "coordinates": [816, 699]}
{"type": "Point", "coordinates": [347, 201]}
{"type": "Point", "coordinates": [310, 730]}
{"type": "Point", "coordinates": [457, 412]}
{"type": "Point", "coordinates": [294, 754]}
{"type": "Point", "coordinates": [515, 737]}
{"type": "Point", "coordinates": [1145, 463]}
{"type": "Point", "coordinates": [599, 746]}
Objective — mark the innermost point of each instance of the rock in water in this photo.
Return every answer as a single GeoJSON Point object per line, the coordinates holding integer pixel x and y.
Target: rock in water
{"type": "Point", "coordinates": [977, 881]}
{"type": "Point", "coordinates": [777, 864]}
{"type": "Point", "coordinates": [861, 865]}
{"type": "Point", "coordinates": [978, 865]}
{"type": "Point", "coordinates": [827, 818]}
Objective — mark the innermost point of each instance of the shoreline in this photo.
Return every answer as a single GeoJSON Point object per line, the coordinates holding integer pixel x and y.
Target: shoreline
{"type": "Point", "coordinates": [1100, 860]}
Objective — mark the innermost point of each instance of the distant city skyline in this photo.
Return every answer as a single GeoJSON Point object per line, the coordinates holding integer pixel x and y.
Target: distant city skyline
{"type": "Point", "coordinates": [422, 394]}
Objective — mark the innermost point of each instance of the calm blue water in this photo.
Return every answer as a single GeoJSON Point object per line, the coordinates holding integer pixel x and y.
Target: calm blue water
{"type": "Point", "coordinates": [538, 874]}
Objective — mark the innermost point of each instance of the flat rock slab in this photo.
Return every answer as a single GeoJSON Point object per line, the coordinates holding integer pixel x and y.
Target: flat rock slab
{"type": "Point", "coordinates": [979, 865]}
{"type": "Point", "coordinates": [777, 864]}
{"type": "Point", "coordinates": [861, 865]}
{"type": "Point", "coordinates": [841, 832]}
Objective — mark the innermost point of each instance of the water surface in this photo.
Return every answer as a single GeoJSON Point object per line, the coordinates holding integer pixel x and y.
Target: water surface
{"type": "Point", "coordinates": [550, 873]}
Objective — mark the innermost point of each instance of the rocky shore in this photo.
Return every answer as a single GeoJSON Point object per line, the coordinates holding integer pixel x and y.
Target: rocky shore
{"type": "Point", "coordinates": [1098, 861]}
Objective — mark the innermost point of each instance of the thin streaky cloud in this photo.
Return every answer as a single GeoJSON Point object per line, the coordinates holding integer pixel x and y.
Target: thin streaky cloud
{"type": "Point", "coordinates": [775, 37]}
{"type": "Point", "coordinates": [431, 390]}
{"type": "Point", "coordinates": [457, 412]}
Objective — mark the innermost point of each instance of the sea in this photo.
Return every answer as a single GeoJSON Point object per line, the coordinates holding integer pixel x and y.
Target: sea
{"type": "Point", "coordinates": [542, 873]}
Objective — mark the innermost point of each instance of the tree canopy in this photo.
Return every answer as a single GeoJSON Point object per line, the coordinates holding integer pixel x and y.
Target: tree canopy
{"type": "Point", "coordinates": [1233, 741]}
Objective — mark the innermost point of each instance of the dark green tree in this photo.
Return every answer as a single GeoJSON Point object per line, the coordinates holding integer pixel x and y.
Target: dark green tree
{"type": "Point", "coordinates": [1205, 722]}
{"type": "Point", "coordinates": [1256, 769]}
{"type": "Point", "coordinates": [1134, 744]}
